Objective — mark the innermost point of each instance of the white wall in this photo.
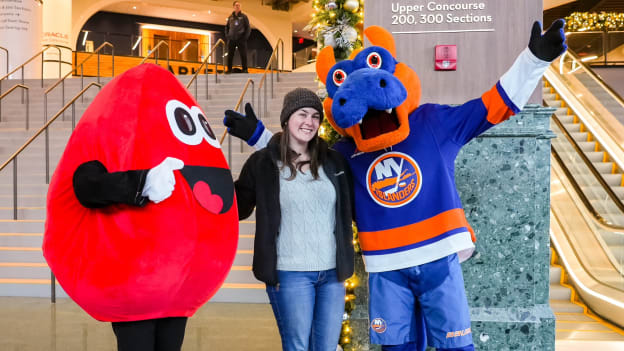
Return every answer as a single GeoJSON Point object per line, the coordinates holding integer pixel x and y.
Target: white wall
{"type": "Point", "coordinates": [20, 33]}
{"type": "Point", "coordinates": [57, 31]}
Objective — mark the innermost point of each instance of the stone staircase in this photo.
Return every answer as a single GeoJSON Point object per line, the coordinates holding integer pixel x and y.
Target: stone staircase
{"type": "Point", "coordinates": [23, 271]}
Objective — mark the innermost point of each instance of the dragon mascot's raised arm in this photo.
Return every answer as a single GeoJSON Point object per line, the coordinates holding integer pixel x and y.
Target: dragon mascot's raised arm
{"type": "Point", "coordinates": [412, 228]}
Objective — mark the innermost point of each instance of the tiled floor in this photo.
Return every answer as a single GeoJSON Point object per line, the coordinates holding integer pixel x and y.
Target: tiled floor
{"type": "Point", "coordinates": [34, 324]}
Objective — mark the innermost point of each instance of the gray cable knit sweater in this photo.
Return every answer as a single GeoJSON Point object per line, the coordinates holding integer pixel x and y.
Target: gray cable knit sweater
{"type": "Point", "coordinates": [306, 240]}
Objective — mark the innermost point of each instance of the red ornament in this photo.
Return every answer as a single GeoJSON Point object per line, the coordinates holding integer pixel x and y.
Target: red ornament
{"type": "Point", "coordinates": [127, 263]}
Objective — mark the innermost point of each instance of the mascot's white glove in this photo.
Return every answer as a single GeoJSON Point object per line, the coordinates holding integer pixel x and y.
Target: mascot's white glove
{"type": "Point", "coordinates": [160, 181]}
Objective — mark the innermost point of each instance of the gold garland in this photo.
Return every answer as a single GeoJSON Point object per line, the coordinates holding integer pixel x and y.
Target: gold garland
{"type": "Point", "coordinates": [350, 285]}
{"type": "Point", "coordinates": [601, 21]}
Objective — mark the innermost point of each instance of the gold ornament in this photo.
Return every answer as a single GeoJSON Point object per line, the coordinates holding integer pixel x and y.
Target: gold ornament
{"type": "Point", "coordinates": [351, 5]}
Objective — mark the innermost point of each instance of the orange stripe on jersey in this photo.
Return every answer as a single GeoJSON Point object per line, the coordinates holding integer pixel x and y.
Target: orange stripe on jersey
{"type": "Point", "coordinates": [498, 111]}
{"type": "Point", "coordinates": [414, 233]}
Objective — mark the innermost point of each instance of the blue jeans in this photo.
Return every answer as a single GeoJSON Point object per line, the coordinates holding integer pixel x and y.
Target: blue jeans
{"type": "Point", "coordinates": [308, 308]}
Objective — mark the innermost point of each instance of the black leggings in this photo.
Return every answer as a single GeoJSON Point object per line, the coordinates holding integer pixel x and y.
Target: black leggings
{"type": "Point", "coordinates": [161, 334]}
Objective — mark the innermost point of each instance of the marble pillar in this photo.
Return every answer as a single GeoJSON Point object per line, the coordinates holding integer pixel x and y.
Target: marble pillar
{"type": "Point", "coordinates": [503, 178]}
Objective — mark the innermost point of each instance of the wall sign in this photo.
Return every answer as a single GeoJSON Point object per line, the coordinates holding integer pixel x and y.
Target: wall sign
{"type": "Point", "coordinates": [426, 16]}
{"type": "Point", "coordinates": [20, 33]}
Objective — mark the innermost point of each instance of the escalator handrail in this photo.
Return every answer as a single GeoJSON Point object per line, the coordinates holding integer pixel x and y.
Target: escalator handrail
{"type": "Point", "coordinates": [589, 164]}
{"type": "Point", "coordinates": [602, 222]}
{"type": "Point", "coordinates": [600, 81]}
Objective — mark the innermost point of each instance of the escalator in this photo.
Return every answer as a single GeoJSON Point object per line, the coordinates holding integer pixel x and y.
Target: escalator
{"type": "Point", "coordinates": [587, 202]}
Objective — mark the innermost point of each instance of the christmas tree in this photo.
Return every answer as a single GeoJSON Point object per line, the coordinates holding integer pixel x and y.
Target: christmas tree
{"type": "Point", "coordinates": [336, 23]}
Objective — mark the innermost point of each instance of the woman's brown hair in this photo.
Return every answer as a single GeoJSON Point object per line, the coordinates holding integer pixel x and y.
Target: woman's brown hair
{"type": "Point", "coordinates": [317, 148]}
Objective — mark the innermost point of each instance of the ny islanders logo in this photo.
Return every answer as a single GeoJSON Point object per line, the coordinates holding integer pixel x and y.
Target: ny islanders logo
{"type": "Point", "coordinates": [379, 325]}
{"type": "Point", "coordinates": [393, 179]}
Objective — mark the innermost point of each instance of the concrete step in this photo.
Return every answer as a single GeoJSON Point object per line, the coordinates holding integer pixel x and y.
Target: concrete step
{"type": "Point", "coordinates": [21, 240]}
{"type": "Point", "coordinates": [558, 292]}
{"type": "Point", "coordinates": [579, 136]}
{"type": "Point", "coordinates": [30, 288]}
{"type": "Point", "coordinates": [17, 270]}
{"type": "Point", "coordinates": [564, 306]}
{"type": "Point", "coordinates": [565, 120]}
{"type": "Point", "coordinates": [23, 212]}
{"type": "Point", "coordinates": [21, 226]}
{"type": "Point", "coordinates": [12, 254]}
{"type": "Point", "coordinates": [555, 275]}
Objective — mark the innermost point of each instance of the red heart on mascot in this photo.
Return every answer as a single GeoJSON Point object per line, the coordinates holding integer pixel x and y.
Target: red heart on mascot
{"type": "Point", "coordinates": [127, 263]}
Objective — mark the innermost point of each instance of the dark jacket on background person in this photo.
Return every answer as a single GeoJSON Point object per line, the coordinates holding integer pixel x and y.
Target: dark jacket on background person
{"type": "Point", "coordinates": [237, 27]}
{"type": "Point", "coordinates": [258, 186]}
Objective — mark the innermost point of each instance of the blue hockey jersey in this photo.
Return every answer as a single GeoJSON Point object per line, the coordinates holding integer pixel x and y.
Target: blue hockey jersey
{"type": "Point", "coordinates": [408, 211]}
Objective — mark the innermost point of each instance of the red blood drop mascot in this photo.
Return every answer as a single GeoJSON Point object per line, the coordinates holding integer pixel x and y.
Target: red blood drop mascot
{"type": "Point", "coordinates": [141, 229]}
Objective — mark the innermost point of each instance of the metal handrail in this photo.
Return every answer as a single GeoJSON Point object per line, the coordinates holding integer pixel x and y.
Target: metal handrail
{"type": "Point", "coordinates": [589, 71]}
{"type": "Point", "coordinates": [601, 221]}
{"type": "Point", "coordinates": [23, 87]}
{"type": "Point", "coordinates": [13, 159]}
{"type": "Point", "coordinates": [154, 49]}
{"type": "Point", "coordinates": [594, 171]}
{"type": "Point", "coordinates": [193, 79]}
{"type": "Point", "coordinates": [29, 141]}
{"type": "Point", "coordinates": [81, 65]}
{"type": "Point", "coordinates": [266, 69]}
{"type": "Point", "coordinates": [30, 60]}
{"type": "Point", "coordinates": [240, 100]}
{"type": "Point", "coordinates": [237, 107]}
{"type": "Point", "coordinates": [96, 51]}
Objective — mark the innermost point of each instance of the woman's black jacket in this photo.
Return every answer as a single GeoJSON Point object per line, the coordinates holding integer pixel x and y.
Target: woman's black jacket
{"type": "Point", "coordinates": [258, 186]}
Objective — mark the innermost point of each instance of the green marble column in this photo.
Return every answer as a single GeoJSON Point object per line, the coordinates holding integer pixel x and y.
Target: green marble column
{"type": "Point", "coordinates": [503, 178]}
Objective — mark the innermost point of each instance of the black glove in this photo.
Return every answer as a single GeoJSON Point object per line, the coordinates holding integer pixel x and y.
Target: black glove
{"type": "Point", "coordinates": [549, 46]}
{"type": "Point", "coordinates": [241, 126]}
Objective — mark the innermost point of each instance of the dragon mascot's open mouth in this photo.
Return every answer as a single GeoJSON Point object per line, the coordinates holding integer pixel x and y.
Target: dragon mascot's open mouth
{"type": "Point", "coordinates": [371, 106]}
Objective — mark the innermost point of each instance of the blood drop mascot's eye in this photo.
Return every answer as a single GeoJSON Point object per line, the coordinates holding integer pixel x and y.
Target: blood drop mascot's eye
{"type": "Point", "coordinates": [128, 262]}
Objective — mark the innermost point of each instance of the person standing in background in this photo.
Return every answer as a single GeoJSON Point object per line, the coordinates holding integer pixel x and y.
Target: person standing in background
{"type": "Point", "coordinates": [237, 32]}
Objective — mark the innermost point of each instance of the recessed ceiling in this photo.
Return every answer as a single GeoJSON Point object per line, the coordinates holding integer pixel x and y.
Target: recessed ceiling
{"type": "Point", "coordinates": [217, 11]}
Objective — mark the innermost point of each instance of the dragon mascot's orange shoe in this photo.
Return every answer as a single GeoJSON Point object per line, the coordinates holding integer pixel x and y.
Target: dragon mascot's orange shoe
{"type": "Point", "coordinates": [412, 228]}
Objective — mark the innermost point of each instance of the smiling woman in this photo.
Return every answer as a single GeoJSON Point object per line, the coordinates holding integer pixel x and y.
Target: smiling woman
{"type": "Point", "coordinates": [301, 191]}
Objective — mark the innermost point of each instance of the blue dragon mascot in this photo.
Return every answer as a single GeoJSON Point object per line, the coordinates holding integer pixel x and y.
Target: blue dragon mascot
{"type": "Point", "coordinates": [412, 228]}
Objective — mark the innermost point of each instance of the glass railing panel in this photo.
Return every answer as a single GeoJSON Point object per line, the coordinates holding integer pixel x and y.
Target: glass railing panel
{"type": "Point", "coordinates": [611, 241]}
{"type": "Point", "coordinates": [588, 89]}
{"type": "Point", "coordinates": [586, 44]}
{"type": "Point", "coordinates": [615, 48]}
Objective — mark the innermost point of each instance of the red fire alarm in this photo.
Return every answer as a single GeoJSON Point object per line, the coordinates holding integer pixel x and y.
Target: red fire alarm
{"type": "Point", "coordinates": [445, 57]}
